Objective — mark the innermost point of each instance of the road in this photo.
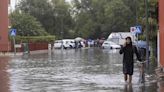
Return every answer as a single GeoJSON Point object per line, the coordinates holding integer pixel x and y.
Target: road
{"type": "Point", "coordinates": [80, 70]}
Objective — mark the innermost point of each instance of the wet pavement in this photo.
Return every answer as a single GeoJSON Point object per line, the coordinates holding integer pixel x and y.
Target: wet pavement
{"type": "Point", "coordinates": [81, 70]}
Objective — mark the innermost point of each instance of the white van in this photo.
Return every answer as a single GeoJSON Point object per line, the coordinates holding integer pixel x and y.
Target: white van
{"type": "Point", "coordinates": [65, 43]}
{"type": "Point", "coordinates": [119, 37]}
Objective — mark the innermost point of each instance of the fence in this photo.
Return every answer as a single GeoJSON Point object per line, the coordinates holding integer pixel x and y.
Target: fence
{"type": "Point", "coordinates": [31, 47]}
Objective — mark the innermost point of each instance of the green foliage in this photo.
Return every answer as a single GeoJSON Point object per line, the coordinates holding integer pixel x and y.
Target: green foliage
{"type": "Point", "coordinates": [152, 18]}
{"type": "Point", "coordinates": [41, 10]}
{"type": "Point", "coordinates": [26, 24]}
{"type": "Point", "coordinates": [54, 15]}
{"type": "Point", "coordinates": [98, 18]}
{"type": "Point", "coordinates": [142, 37]}
{"type": "Point", "coordinates": [25, 39]}
{"type": "Point", "coordinates": [152, 23]}
{"type": "Point", "coordinates": [91, 18]}
{"type": "Point", "coordinates": [118, 15]}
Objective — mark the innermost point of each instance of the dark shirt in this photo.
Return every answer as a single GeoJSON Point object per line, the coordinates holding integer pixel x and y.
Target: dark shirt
{"type": "Point", "coordinates": [128, 52]}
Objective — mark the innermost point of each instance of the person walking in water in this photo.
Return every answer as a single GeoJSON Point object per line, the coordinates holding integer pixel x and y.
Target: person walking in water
{"type": "Point", "coordinates": [128, 51]}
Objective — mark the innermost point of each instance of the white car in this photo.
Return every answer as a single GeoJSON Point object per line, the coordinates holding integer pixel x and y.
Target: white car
{"type": "Point", "coordinates": [65, 43]}
{"type": "Point", "coordinates": [110, 45]}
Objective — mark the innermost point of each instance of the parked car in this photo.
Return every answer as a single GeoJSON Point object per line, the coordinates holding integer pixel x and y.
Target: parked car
{"type": "Point", "coordinates": [65, 43]}
{"type": "Point", "coordinates": [110, 45]}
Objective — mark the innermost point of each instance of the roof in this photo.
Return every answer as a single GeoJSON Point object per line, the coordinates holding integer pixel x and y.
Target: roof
{"type": "Point", "coordinates": [120, 35]}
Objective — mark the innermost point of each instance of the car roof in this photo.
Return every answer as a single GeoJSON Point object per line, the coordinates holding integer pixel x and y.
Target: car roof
{"type": "Point", "coordinates": [68, 39]}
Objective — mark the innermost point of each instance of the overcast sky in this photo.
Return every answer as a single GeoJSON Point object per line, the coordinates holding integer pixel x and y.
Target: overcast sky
{"type": "Point", "coordinates": [14, 2]}
{"type": "Point", "coordinates": [68, 0]}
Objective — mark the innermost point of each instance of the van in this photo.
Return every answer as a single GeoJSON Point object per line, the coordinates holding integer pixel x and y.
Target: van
{"type": "Point", "coordinates": [119, 37]}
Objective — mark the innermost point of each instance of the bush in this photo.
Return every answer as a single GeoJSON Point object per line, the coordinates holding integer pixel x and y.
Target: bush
{"type": "Point", "coordinates": [32, 39]}
{"type": "Point", "coordinates": [142, 37]}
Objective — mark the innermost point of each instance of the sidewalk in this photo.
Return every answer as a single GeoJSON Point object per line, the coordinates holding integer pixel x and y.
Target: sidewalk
{"type": "Point", "coordinates": [21, 53]}
{"type": "Point", "coordinates": [160, 73]}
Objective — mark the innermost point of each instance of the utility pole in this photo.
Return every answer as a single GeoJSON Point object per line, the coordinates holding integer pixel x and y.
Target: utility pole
{"type": "Point", "coordinates": [147, 33]}
{"type": "Point", "coordinates": [136, 6]}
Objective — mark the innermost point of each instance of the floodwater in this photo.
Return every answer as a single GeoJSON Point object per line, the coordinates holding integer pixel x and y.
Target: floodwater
{"type": "Point", "coordinates": [81, 70]}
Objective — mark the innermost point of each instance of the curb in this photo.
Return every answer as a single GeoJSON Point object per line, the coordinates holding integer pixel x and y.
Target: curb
{"type": "Point", "coordinates": [160, 73]}
{"type": "Point", "coordinates": [11, 54]}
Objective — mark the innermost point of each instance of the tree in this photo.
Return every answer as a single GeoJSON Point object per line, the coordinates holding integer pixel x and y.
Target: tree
{"type": "Point", "coordinates": [118, 16]}
{"type": "Point", "coordinates": [54, 15]}
{"type": "Point", "coordinates": [63, 18]}
{"type": "Point", "coordinates": [89, 18]}
{"type": "Point", "coordinates": [26, 25]}
{"type": "Point", "coordinates": [41, 10]}
{"type": "Point", "coordinates": [98, 18]}
{"type": "Point", "coordinates": [152, 22]}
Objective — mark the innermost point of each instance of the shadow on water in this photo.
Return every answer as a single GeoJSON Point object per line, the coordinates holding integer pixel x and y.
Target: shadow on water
{"type": "Point", "coordinates": [80, 70]}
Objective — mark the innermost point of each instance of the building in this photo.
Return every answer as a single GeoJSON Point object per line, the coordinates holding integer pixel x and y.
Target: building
{"type": "Point", "coordinates": [161, 32]}
{"type": "Point", "coordinates": [4, 41]}
{"type": "Point", "coordinates": [6, 7]}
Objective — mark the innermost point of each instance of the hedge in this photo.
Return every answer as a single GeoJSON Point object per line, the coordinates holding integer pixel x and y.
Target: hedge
{"type": "Point", "coordinates": [25, 39]}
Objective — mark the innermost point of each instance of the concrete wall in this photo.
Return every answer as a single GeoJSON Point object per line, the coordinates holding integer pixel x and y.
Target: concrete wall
{"type": "Point", "coordinates": [4, 43]}
{"type": "Point", "coordinates": [161, 30]}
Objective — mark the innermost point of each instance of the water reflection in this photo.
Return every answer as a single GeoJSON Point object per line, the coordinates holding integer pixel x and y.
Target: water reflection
{"type": "Point", "coordinates": [128, 88]}
{"type": "Point", "coordinates": [142, 88]}
{"type": "Point", "coordinates": [161, 86]}
{"type": "Point", "coordinates": [80, 70]}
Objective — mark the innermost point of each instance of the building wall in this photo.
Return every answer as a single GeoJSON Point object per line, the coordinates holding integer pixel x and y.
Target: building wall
{"type": "Point", "coordinates": [4, 43]}
{"type": "Point", "coordinates": [161, 30]}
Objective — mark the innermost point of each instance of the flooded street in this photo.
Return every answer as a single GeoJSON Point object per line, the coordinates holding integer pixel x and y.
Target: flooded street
{"type": "Point", "coordinates": [81, 70]}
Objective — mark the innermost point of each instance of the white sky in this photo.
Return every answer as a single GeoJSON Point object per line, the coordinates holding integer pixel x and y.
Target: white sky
{"type": "Point", "coordinates": [69, 1]}
{"type": "Point", "coordinates": [14, 2]}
